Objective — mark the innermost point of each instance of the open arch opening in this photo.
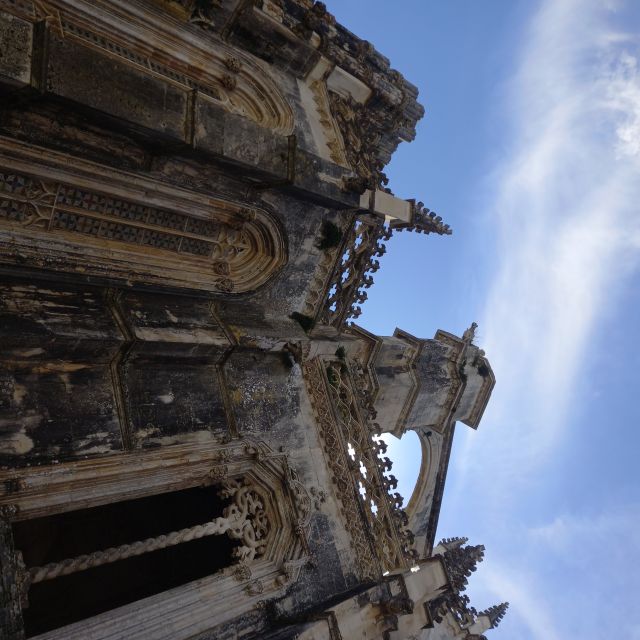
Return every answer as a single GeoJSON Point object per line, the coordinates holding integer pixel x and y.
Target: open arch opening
{"type": "Point", "coordinates": [405, 455]}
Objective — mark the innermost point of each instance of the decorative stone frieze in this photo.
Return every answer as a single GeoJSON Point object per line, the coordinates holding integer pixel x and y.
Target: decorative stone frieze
{"type": "Point", "coordinates": [112, 229]}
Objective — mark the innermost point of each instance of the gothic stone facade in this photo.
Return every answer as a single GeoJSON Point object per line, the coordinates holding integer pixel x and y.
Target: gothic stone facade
{"type": "Point", "coordinates": [192, 205]}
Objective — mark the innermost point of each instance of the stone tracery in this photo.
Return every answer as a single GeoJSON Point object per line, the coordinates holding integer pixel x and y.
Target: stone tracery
{"type": "Point", "coordinates": [254, 94]}
{"type": "Point", "coordinates": [358, 471]}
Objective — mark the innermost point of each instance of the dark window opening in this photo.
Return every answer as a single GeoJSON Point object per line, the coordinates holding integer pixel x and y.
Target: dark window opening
{"type": "Point", "coordinates": [66, 599]}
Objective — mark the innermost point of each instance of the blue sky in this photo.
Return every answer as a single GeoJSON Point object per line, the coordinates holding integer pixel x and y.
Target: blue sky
{"type": "Point", "coordinates": [530, 150]}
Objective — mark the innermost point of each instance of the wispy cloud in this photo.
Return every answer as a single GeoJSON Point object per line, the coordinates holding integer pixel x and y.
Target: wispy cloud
{"type": "Point", "coordinates": [581, 538]}
{"type": "Point", "coordinates": [560, 576]}
{"type": "Point", "coordinates": [565, 207]}
{"type": "Point", "coordinates": [594, 554]}
{"type": "Point", "coordinates": [566, 211]}
{"type": "Point", "coordinates": [527, 601]}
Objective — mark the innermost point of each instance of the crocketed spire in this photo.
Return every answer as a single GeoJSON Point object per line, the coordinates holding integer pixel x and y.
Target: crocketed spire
{"type": "Point", "coordinates": [495, 613]}
{"type": "Point", "coordinates": [461, 562]}
{"type": "Point", "coordinates": [452, 543]}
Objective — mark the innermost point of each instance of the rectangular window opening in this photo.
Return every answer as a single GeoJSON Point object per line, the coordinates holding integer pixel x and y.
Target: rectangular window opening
{"type": "Point", "coordinates": [60, 601]}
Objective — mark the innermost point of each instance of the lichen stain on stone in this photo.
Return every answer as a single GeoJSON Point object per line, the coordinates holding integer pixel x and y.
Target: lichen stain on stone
{"type": "Point", "coordinates": [16, 444]}
{"type": "Point", "coordinates": [19, 393]}
{"type": "Point", "coordinates": [97, 443]}
{"type": "Point", "coordinates": [29, 353]}
{"type": "Point", "coordinates": [147, 432]}
{"type": "Point", "coordinates": [60, 367]}
{"type": "Point", "coordinates": [171, 317]}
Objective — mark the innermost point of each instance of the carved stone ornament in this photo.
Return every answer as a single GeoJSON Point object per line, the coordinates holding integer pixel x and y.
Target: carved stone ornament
{"type": "Point", "coordinates": [228, 82]}
{"type": "Point", "coordinates": [233, 64]}
{"type": "Point", "coordinates": [99, 230]}
{"type": "Point", "coordinates": [360, 140]}
{"type": "Point", "coordinates": [202, 12]}
{"type": "Point", "coordinates": [352, 275]}
{"type": "Point", "coordinates": [266, 522]}
{"type": "Point", "coordinates": [242, 572]}
{"type": "Point", "coordinates": [345, 290]}
{"type": "Point", "coordinates": [495, 613]}
{"type": "Point", "coordinates": [460, 561]}
{"type": "Point", "coordinates": [358, 472]}
{"type": "Point", "coordinates": [245, 519]}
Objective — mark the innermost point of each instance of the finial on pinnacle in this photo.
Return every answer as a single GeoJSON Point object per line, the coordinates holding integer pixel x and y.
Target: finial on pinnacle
{"type": "Point", "coordinates": [470, 333]}
{"type": "Point", "coordinates": [495, 613]}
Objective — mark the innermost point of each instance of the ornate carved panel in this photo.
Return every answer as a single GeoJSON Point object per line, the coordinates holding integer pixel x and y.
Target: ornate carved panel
{"type": "Point", "coordinates": [96, 228]}
{"type": "Point", "coordinates": [370, 512]}
{"type": "Point", "coordinates": [367, 563]}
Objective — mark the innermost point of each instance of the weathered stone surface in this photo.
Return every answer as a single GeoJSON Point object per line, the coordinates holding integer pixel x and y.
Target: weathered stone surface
{"type": "Point", "coordinates": [10, 614]}
{"type": "Point", "coordinates": [80, 135]}
{"type": "Point", "coordinates": [102, 83]}
{"type": "Point", "coordinates": [57, 396]}
{"type": "Point", "coordinates": [16, 36]}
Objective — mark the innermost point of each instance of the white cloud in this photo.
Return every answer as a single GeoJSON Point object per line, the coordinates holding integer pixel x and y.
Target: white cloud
{"type": "Point", "coordinates": [527, 602]}
{"type": "Point", "coordinates": [566, 213]}
{"type": "Point", "coordinates": [599, 551]}
{"type": "Point", "coordinates": [572, 577]}
{"type": "Point", "coordinates": [579, 539]}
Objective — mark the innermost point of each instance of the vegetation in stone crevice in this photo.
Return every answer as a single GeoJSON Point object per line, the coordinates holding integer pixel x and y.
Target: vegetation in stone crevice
{"type": "Point", "coordinates": [306, 322]}
{"type": "Point", "coordinates": [461, 371]}
{"type": "Point", "coordinates": [483, 370]}
{"type": "Point", "coordinates": [332, 376]}
{"type": "Point", "coordinates": [331, 236]}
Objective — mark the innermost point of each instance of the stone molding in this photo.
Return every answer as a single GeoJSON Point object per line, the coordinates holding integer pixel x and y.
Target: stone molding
{"type": "Point", "coordinates": [111, 224]}
{"type": "Point", "coordinates": [417, 345]}
{"type": "Point", "coordinates": [133, 34]}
